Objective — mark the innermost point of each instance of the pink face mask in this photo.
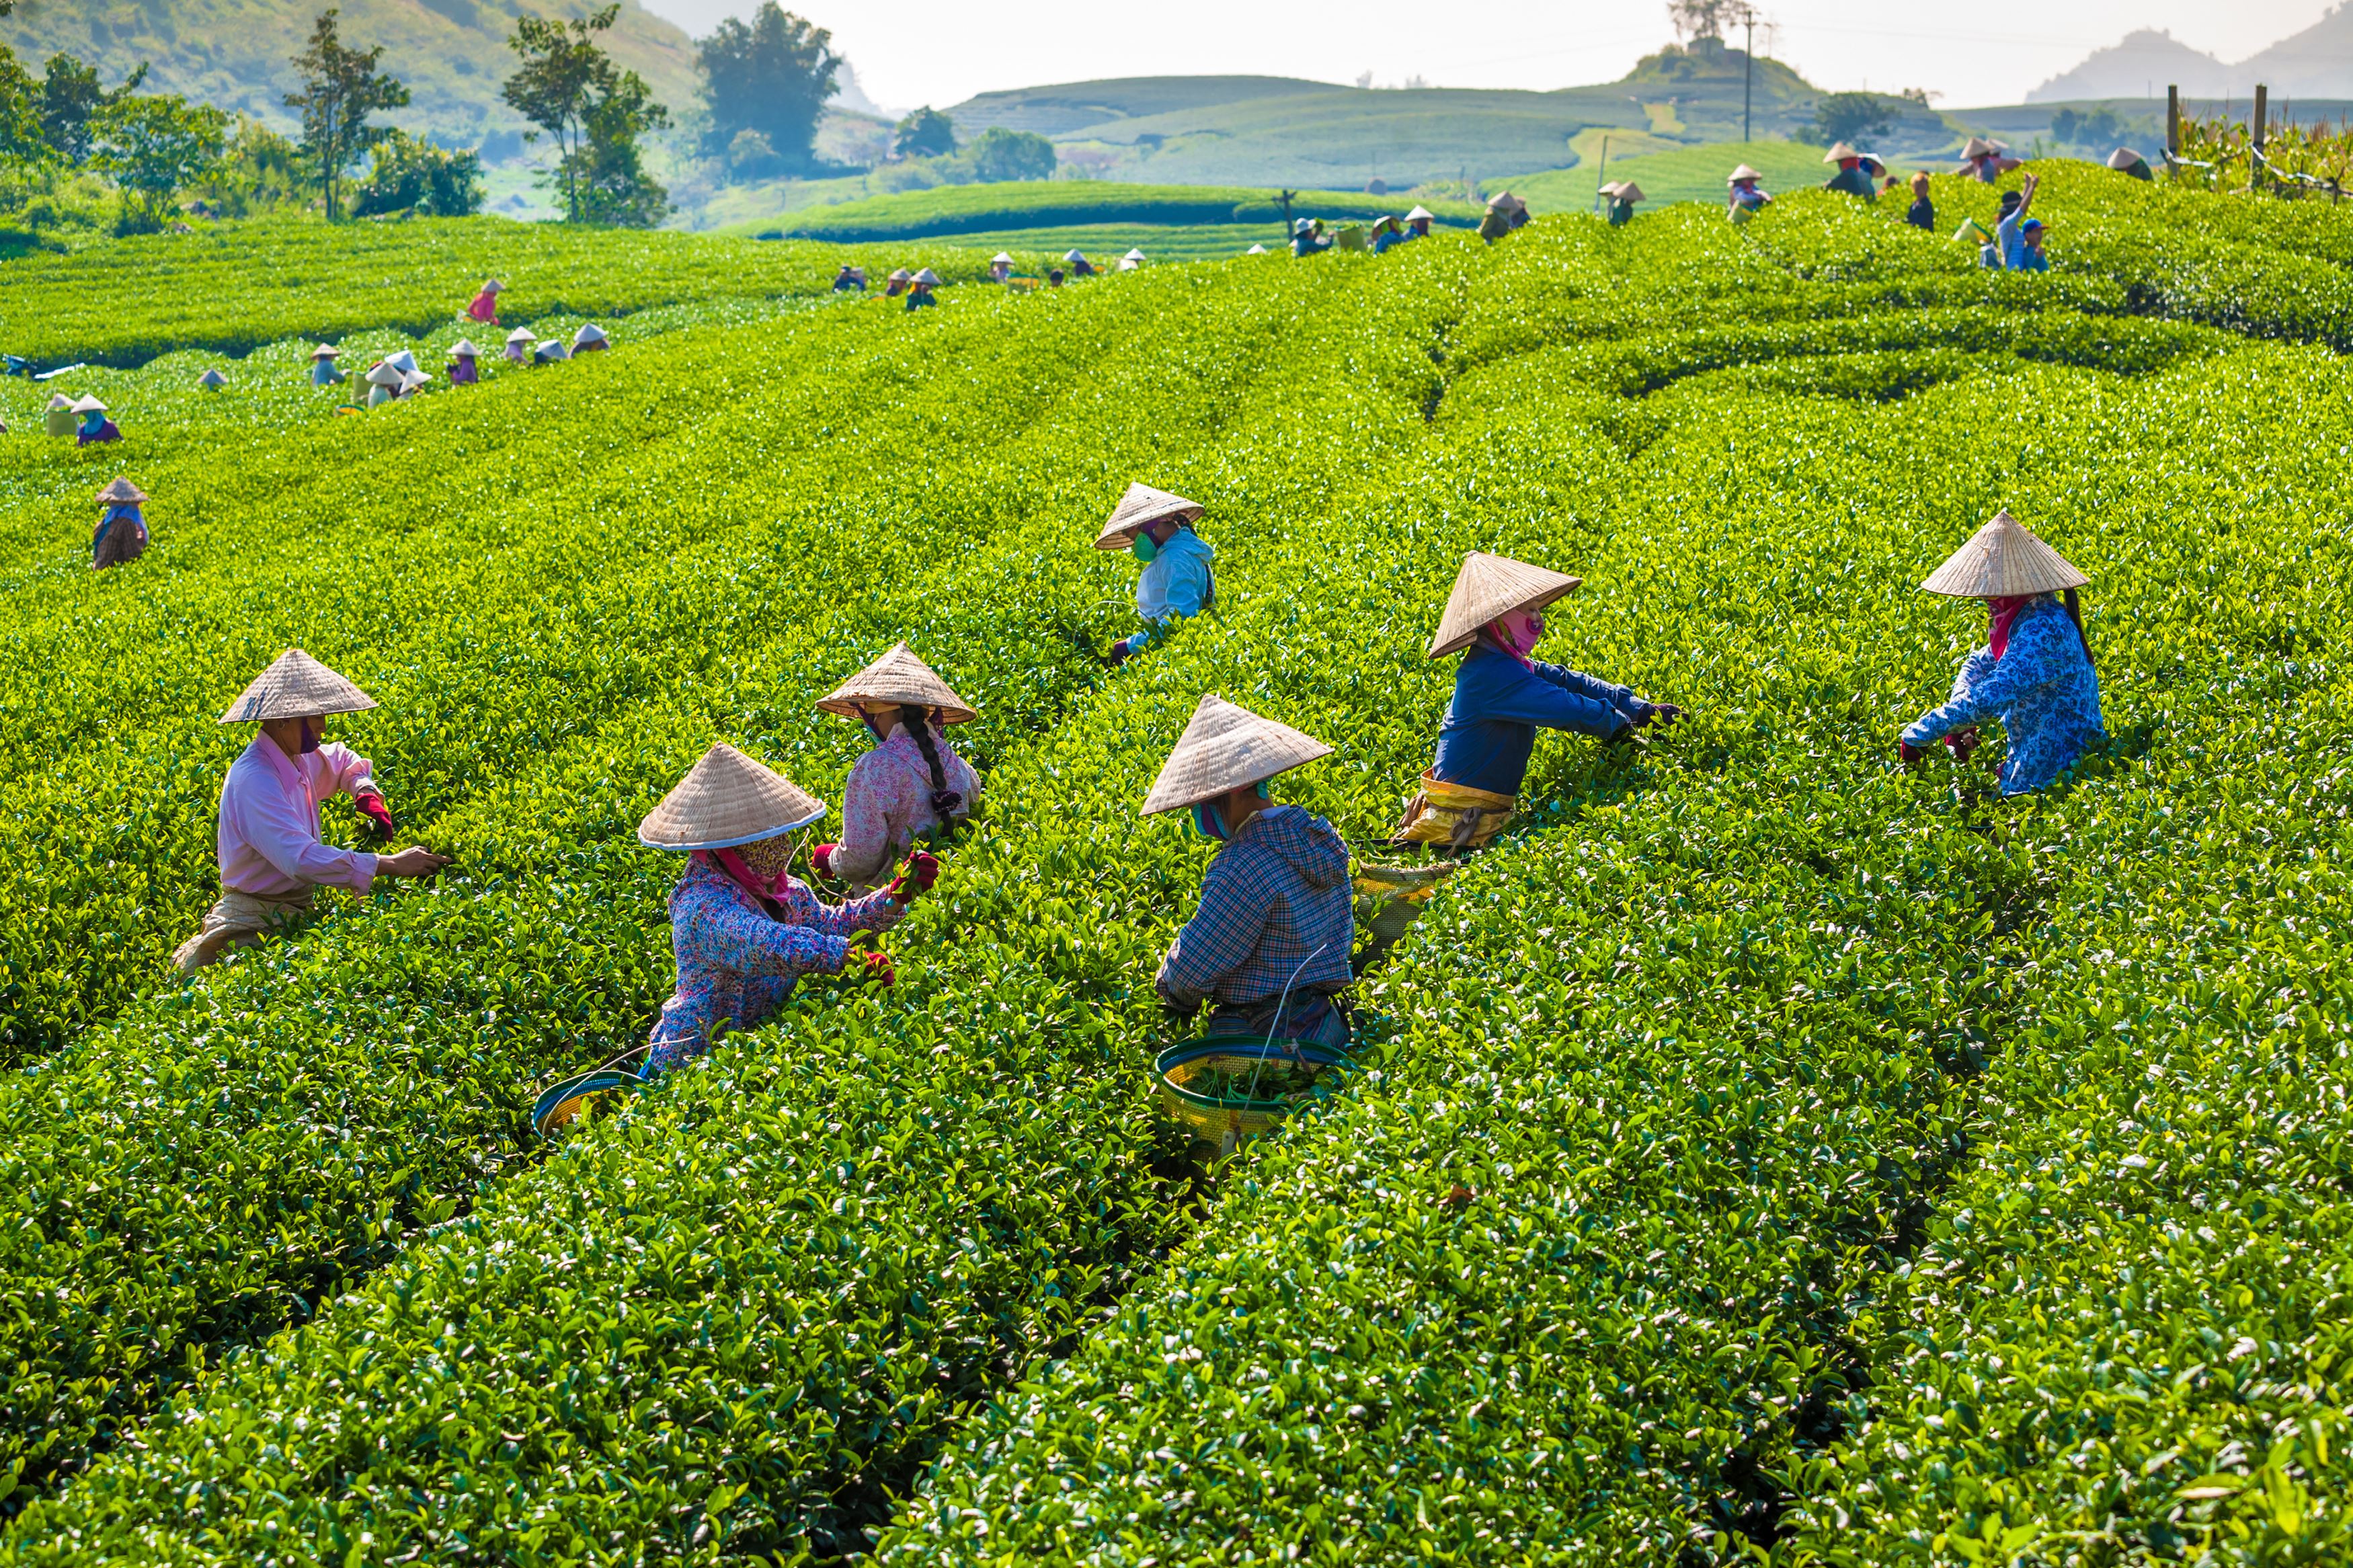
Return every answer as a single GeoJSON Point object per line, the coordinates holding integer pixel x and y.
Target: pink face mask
{"type": "Point", "coordinates": [1517, 634]}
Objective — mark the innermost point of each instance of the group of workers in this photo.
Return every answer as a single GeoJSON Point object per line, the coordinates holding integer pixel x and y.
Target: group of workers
{"type": "Point", "coordinates": [1270, 946]}
{"type": "Point", "coordinates": [918, 288]}
{"type": "Point", "coordinates": [86, 419]}
{"type": "Point", "coordinates": [397, 375]}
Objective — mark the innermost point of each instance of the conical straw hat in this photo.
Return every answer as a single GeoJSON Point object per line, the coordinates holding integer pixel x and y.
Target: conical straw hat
{"type": "Point", "coordinates": [1975, 147]}
{"type": "Point", "coordinates": [1743, 172]}
{"type": "Point", "coordinates": [87, 405]}
{"type": "Point", "coordinates": [2001, 560]}
{"type": "Point", "coordinates": [523, 335]}
{"type": "Point", "coordinates": [60, 400]}
{"type": "Point", "coordinates": [385, 374]}
{"type": "Point", "coordinates": [326, 351]}
{"type": "Point", "coordinates": [464, 349]}
{"type": "Point", "coordinates": [928, 277]}
{"type": "Point", "coordinates": [1142, 504]}
{"type": "Point", "coordinates": [728, 799]}
{"type": "Point", "coordinates": [401, 360]}
{"type": "Point", "coordinates": [212, 378]}
{"type": "Point", "coordinates": [123, 493]}
{"type": "Point", "coordinates": [1420, 211]}
{"type": "Point", "coordinates": [296, 687]}
{"type": "Point", "coordinates": [589, 332]}
{"type": "Point", "coordinates": [898, 677]}
{"type": "Point", "coordinates": [1001, 255]}
{"type": "Point", "coordinates": [1255, 251]}
{"type": "Point", "coordinates": [1134, 255]}
{"type": "Point", "coordinates": [2125, 158]}
{"type": "Point", "coordinates": [1840, 150]}
{"type": "Point", "coordinates": [1492, 586]}
{"type": "Point", "coordinates": [1074, 256]}
{"type": "Point", "coordinates": [1225, 747]}
{"type": "Point", "coordinates": [1631, 192]}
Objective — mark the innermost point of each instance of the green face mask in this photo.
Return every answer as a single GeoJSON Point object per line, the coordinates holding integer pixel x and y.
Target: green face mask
{"type": "Point", "coordinates": [1143, 549]}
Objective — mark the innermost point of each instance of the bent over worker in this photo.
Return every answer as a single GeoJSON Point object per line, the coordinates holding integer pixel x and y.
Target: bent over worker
{"type": "Point", "coordinates": [1268, 946]}
{"type": "Point", "coordinates": [1623, 194]}
{"type": "Point", "coordinates": [2034, 673]}
{"type": "Point", "coordinates": [912, 783]}
{"type": "Point", "coordinates": [1502, 696]}
{"type": "Point", "coordinates": [1851, 178]}
{"type": "Point", "coordinates": [1744, 194]}
{"type": "Point", "coordinates": [122, 534]}
{"type": "Point", "coordinates": [95, 425]}
{"type": "Point", "coordinates": [744, 929]}
{"type": "Point", "coordinates": [271, 858]}
{"type": "Point", "coordinates": [1178, 582]}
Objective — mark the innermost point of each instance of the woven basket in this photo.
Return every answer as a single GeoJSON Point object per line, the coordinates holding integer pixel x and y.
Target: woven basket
{"type": "Point", "coordinates": [1184, 1075]}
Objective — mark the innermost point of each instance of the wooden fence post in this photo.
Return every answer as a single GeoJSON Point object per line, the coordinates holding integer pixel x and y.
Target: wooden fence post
{"type": "Point", "coordinates": [2255, 158]}
{"type": "Point", "coordinates": [2172, 122]}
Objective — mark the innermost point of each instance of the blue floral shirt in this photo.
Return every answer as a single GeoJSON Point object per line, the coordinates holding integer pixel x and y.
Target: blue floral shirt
{"type": "Point", "coordinates": [2043, 689]}
{"type": "Point", "coordinates": [738, 961]}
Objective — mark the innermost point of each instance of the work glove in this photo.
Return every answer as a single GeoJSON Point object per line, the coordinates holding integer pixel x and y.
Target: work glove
{"type": "Point", "coordinates": [1911, 754]}
{"type": "Point", "coordinates": [1624, 735]}
{"type": "Point", "coordinates": [875, 969]}
{"type": "Point", "coordinates": [1118, 654]}
{"type": "Point", "coordinates": [922, 870]}
{"type": "Point", "coordinates": [1662, 714]}
{"type": "Point", "coordinates": [1961, 742]}
{"type": "Point", "coordinates": [372, 807]}
{"type": "Point", "coordinates": [821, 858]}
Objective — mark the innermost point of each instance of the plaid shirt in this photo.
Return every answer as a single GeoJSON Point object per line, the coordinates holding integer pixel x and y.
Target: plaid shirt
{"type": "Point", "coordinates": [1275, 912]}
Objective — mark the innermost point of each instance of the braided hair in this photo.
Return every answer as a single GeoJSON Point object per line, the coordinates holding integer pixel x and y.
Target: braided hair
{"type": "Point", "coordinates": [946, 802]}
{"type": "Point", "coordinates": [2075, 614]}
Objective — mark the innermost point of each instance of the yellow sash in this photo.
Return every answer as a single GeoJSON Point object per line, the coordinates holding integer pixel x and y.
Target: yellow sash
{"type": "Point", "coordinates": [1453, 815]}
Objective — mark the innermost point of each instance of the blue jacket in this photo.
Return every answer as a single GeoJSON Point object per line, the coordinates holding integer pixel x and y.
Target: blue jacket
{"type": "Point", "coordinates": [1491, 726]}
{"type": "Point", "coordinates": [2042, 688]}
{"type": "Point", "coordinates": [1178, 583]}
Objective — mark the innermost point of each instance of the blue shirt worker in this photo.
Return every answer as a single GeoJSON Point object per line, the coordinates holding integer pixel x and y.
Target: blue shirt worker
{"type": "Point", "coordinates": [1268, 946]}
{"type": "Point", "coordinates": [919, 292]}
{"type": "Point", "coordinates": [122, 534]}
{"type": "Point", "coordinates": [2009, 232]}
{"type": "Point", "coordinates": [1178, 582]}
{"type": "Point", "coordinates": [2033, 675]}
{"type": "Point", "coordinates": [2125, 161]}
{"type": "Point", "coordinates": [1502, 696]}
{"type": "Point", "coordinates": [1418, 222]}
{"type": "Point", "coordinates": [322, 365]}
{"type": "Point", "coordinates": [1744, 194]}
{"type": "Point", "coordinates": [1851, 178]}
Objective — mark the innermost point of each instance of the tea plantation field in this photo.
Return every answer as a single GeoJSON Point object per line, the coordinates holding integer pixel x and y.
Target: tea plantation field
{"type": "Point", "coordinates": [1762, 1153]}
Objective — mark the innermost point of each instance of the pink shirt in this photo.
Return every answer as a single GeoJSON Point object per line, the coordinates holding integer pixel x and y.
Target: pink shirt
{"type": "Point", "coordinates": [887, 801]}
{"type": "Point", "coordinates": [269, 820]}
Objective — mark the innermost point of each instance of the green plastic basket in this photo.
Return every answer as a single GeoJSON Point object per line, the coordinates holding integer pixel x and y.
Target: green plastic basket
{"type": "Point", "coordinates": [1196, 1085]}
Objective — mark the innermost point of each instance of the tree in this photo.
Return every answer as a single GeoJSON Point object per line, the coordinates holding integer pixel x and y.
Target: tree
{"type": "Point", "coordinates": [1002, 154]}
{"type": "Point", "coordinates": [773, 77]}
{"type": "Point", "coordinates": [70, 96]}
{"type": "Point", "coordinates": [405, 173]}
{"type": "Point", "coordinates": [2092, 128]}
{"type": "Point", "coordinates": [341, 88]}
{"type": "Point", "coordinates": [1850, 116]}
{"type": "Point", "coordinates": [20, 112]}
{"type": "Point", "coordinates": [569, 87]}
{"type": "Point", "coordinates": [1697, 19]}
{"type": "Point", "coordinates": [926, 133]}
{"type": "Point", "coordinates": [152, 146]}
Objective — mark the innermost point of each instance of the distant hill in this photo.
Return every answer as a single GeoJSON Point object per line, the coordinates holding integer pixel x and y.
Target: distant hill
{"type": "Point", "coordinates": [2315, 63]}
{"type": "Point", "coordinates": [452, 54]}
{"type": "Point", "coordinates": [2130, 69]}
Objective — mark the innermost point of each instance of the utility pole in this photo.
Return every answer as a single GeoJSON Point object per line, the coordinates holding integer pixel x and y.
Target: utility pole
{"type": "Point", "coordinates": [2255, 161]}
{"type": "Point", "coordinates": [2172, 122]}
{"type": "Point", "coordinates": [1747, 65]}
{"type": "Point", "coordinates": [1601, 174]}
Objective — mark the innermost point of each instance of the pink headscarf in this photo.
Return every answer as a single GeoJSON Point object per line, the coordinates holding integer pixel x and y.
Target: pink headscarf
{"type": "Point", "coordinates": [727, 861]}
{"type": "Point", "coordinates": [1498, 633]}
{"type": "Point", "coordinates": [2004, 612]}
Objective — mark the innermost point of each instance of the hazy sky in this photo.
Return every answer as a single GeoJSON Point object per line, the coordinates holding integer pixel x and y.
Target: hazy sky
{"type": "Point", "coordinates": [941, 51]}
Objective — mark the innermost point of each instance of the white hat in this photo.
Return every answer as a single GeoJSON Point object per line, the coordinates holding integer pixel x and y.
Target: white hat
{"type": "Point", "coordinates": [60, 400]}
{"type": "Point", "coordinates": [123, 493]}
{"type": "Point", "coordinates": [493, 287]}
{"type": "Point", "coordinates": [1979, 147]}
{"type": "Point", "coordinates": [1133, 256]}
{"type": "Point", "coordinates": [326, 351]}
{"type": "Point", "coordinates": [1504, 201]}
{"type": "Point", "coordinates": [1743, 172]}
{"type": "Point", "coordinates": [727, 799]}
{"type": "Point", "coordinates": [523, 335]}
{"type": "Point", "coordinates": [296, 686]}
{"type": "Point", "coordinates": [1141, 505]}
{"type": "Point", "coordinates": [385, 374]}
{"type": "Point", "coordinates": [1625, 191]}
{"type": "Point", "coordinates": [2001, 560]}
{"type": "Point", "coordinates": [464, 349]}
{"type": "Point", "coordinates": [928, 277]}
{"type": "Point", "coordinates": [589, 332]}
{"type": "Point", "coordinates": [1001, 255]}
{"type": "Point", "coordinates": [401, 360]}
{"type": "Point", "coordinates": [1073, 256]}
{"type": "Point", "coordinates": [1840, 150]}
{"type": "Point", "coordinates": [1255, 251]}
{"type": "Point", "coordinates": [900, 275]}
{"type": "Point", "coordinates": [212, 378]}
{"type": "Point", "coordinates": [89, 405]}
{"type": "Point", "coordinates": [2125, 158]}
{"type": "Point", "coordinates": [411, 380]}
{"type": "Point", "coordinates": [1420, 213]}
{"type": "Point", "coordinates": [1489, 586]}
{"type": "Point", "coordinates": [901, 679]}
{"type": "Point", "coordinates": [554, 348]}
{"type": "Point", "coordinates": [1227, 747]}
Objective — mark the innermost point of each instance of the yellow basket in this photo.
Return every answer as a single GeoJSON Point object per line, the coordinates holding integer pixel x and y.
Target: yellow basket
{"type": "Point", "coordinates": [1187, 1078]}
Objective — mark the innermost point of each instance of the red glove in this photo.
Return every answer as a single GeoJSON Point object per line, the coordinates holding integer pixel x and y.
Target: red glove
{"type": "Point", "coordinates": [1909, 752]}
{"type": "Point", "coordinates": [821, 858]}
{"type": "Point", "coordinates": [372, 807]}
{"type": "Point", "coordinates": [876, 970]}
{"type": "Point", "coordinates": [922, 868]}
{"type": "Point", "coordinates": [1961, 742]}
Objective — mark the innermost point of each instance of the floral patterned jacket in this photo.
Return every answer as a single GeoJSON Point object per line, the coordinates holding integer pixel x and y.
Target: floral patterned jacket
{"type": "Point", "coordinates": [887, 801]}
{"type": "Point", "coordinates": [738, 961]}
{"type": "Point", "coordinates": [2042, 688]}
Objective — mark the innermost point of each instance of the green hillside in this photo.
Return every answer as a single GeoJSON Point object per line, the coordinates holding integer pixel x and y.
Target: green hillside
{"type": "Point", "coordinates": [959, 210]}
{"type": "Point", "coordinates": [1765, 1151]}
{"type": "Point", "coordinates": [452, 54]}
{"type": "Point", "coordinates": [1685, 174]}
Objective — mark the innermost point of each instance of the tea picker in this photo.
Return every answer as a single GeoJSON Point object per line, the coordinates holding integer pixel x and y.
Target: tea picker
{"type": "Point", "coordinates": [484, 306]}
{"type": "Point", "coordinates": [911, 785]}
{"type": "Point", "coordinates": [322, 365]}
{"type": "Point", "coordinates": [1270, 943]}
{"type": "Point", "coordinates": [1852, 177]}
{"type": "Point", "coordinates": [744, 929]}
{"type": "Point", "coordinates": [919, 290]}
{"type": "Point", "coordinates": [1985, 160]}
{"type": "Point", "coordinates": [385, 382]}
{"type": "Point", "coordinates": [96, 427]}
{"type": "Point", "coordinates": [2034, 674]}
{"type": "Point", "coordinates": [590, 339]}
{"type": "Point", "coordinates": [1623, 194]}
{"type": "Point", "coordinates": [897, 283]}
{"type": "Point", "coordinates": [1493, 618]}
{"type": "Point", "coordinates": [1156, 527]}
{"type": "Point", "coordinates": [1418, 222]}
{"type": "Point", "coordinates": [465, 363]}
{"type": "Point", "coordinates": [122, 534]}
{"type": "Point", "coordinates": [2125, 161]}
{"type": "Point", "coordinates": [1079, 265]}
{"type": "Point", "coordinates": [520, 343]}
{"type": "Point", "coordinates": [271, 857]}
{"type": "Point", "coordinates": [1000, 267]}
{"type": "Point", "coordinates": [1745, 193]}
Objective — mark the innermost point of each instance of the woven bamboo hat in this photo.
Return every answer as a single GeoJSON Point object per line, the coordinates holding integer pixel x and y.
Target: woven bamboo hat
{"type": "Point", "coordinates": [589, 332]}
{"type": "Point", "coordinates": [1743, 172]}
{"type": "Point", "coordinates": [928, 277]}
{"type": "Point", "coordinates": [1492, 586]}
{"type": "Point", "coordinates": [212, 377]}
{"type": "Point", "coordinates": [1001, 255]}
{"type": "Point", "coordinates": [900, 275]}
{"type": "Point", "coordinates": [1135, 254]}
{"type": "Point", "coordinates": [1840, 150]}
{"type": "Point", "coordinates": [385, 374]}
{"type": "Point", "coordinates": [123, 493]}
{"type": "Point", "coordinates": [2125, 158]}
{"type": "Point", "coordinates": [523, 335]}
{"type": "Point", "coordinates": [1977, 147]}
{"type": "Point", "coordinates": [401, 360]}
{"type": "Point", "coordinates": [1141, 505]}
{"type": "Point", "coordinates": [901, 677]}
{"type": "Point", "coordinates": [1419, 212]}
{"type": "Point", "coordinates": [60, 400]}
{"type": "Point", "coordinates": [493, 287]}
{"type": "Point", "coordinates": [326, 351]}
{"type": "Point", "coordinates": [727, 799]}
{"type": "Point", "coordinates": [1255, 251]}
{"type": "Point", "coordinates": [1627, 191]}
{"type": "Point", "coordinates": [2001, 560]}
{"type": "Point", "coordinates": [464, 349]}
{"type": "Point", "coordinates": [87, 405]}
{"type": "Point", "coordinates": [1227, 747]}
{"type": "Point", "coordinates": [296, 687]}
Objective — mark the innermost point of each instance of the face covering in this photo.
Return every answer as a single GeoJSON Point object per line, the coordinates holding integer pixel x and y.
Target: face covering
{"type": "Point", "coordinates": [1209, 821]}
{"type": "Point", "coordinates": [2004, 612]}
{"type": "Point", "coordinates": [763, 868]}
{"type": "Point", "coordinates": [1144, 548]}
{"type": "Point", "coordinates": [313, 733]}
